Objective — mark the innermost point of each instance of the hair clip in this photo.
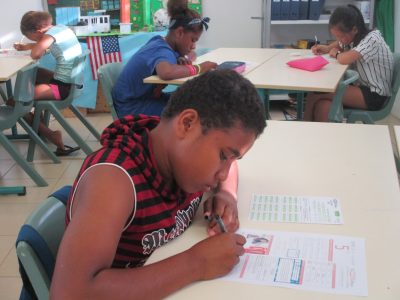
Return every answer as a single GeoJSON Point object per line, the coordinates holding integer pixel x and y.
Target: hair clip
{"type": "Point", "coordinates": [203, 21]}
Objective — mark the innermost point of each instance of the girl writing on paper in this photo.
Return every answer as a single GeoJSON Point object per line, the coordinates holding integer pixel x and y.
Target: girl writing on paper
{"type": "Point", "coordinates": [62, 43]}
{"type": "Point", "coordinates": [169, 58]}
{"type": "Point", "coordinates": [364, 50]}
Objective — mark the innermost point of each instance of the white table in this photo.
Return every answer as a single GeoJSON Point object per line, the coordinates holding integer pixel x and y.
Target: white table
{"type": "Point", "coordinates": [352, 162]}
{"type": "Point", "coordinates": [276, 74]}
{"type": "Point", "coordinates": [9, 66]}
{"type": "Point", "coordinates": [268, 70]}
{"type": "Point", "coordinates": [254, 57]}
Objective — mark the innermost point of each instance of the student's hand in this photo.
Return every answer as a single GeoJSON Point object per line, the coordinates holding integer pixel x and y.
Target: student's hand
{"type": "Point", "coordinates": [217, 255]}
{"type": "Point", "coordinates": [183, 60]}
{"type": "Point", "coordinates": [21, 47]}
{"type": "Point", "coordinates": [223, 204]}
{"type": "Point", "coordinates": [207, 66]}
{"type": "Point", "coordinates": [192, 56]}
{"type": "Point", "coordinates": [320, 49]}
{"type": "Point", "coordinates": [333, 52]}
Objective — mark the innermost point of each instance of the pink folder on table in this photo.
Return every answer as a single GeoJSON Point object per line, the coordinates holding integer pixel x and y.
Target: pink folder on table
{"type": "Point", "coordinates": [309, 64]}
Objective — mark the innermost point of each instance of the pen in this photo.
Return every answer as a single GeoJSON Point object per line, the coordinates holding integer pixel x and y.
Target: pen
{"type": "Point", "coordinates": [220, 223]}
{"type": "Point", "coordinates": [316, 40]}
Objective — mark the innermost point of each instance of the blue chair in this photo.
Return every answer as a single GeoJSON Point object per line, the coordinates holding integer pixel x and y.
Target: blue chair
{"type": "Point", "coordinates": [54, 107]}
{"type": "Point", "coordinates": [37, 245]}
{"type": "Point", "coordinates": [336, 109]}
{"type": "Point", "coordinates": [11, 115]}
{"type": "Point", "coordinates": [108, 75]}
{"type": "Point", "coordinates": [354, 115]}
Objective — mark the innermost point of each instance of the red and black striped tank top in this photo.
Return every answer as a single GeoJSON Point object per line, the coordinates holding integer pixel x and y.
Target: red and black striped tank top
{"type": "Point", "coordinates": [162, 213]}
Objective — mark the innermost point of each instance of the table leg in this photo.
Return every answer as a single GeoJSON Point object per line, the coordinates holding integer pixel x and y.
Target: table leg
{"type": "Point", "coordinates": [265, 98]}
{"type": "Point", "coordinates": [300, 105]}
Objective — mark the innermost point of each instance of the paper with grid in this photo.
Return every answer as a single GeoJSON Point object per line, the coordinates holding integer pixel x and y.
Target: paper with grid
{"type": "Point", "coordinates": [295, 209]}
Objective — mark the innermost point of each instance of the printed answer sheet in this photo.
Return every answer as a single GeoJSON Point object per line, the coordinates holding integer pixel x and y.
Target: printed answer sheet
{"type": "Point", "coordinates": [295, 209]}
{"type": "Point", "coordinates": [324, 263]}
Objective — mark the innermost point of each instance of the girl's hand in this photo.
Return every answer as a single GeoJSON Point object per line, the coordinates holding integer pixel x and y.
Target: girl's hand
{"type": "Point", "coordinates": [183, 60]}
{"type": "Point", "coordinates": [207, 66]}
{"type": "Point", "coordinates": [320, 49]}
{"type": "Point", "coordinates": [21, 47]}
{"type": "Point", "coordinates": [223, 204]}
{"type": "Point", "coordinates": [217, 255]}
{"type": "Point", "coordinates": [333, 52]}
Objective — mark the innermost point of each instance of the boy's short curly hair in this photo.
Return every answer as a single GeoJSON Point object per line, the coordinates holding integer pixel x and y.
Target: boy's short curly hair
{"type": "Point", "coordinates": [222, 98]}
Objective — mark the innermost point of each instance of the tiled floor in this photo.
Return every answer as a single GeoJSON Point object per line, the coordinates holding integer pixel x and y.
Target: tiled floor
{"type": "Point", "coordinates": [15, 209]}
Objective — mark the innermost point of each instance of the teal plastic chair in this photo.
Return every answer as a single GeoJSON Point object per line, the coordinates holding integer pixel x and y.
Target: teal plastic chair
{"type": "Point", "coordinates": [11, 115]}
{"type": "Point", "coordinates": [108, 75]}
{"type": "Point", "coordinates": [336, 110]}
{"type": "Point", "coordinates": [54, 107]}
{"type": "Point", "coordinates": [369, 116]}
{"type": "Point", "coordinates": [37, 244]}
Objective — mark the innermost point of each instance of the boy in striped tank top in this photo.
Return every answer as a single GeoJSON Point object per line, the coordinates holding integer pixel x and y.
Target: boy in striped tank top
{"type": "Point", "coordinates": [365, 51]}
{"type": "Point", "coordinates": [144, 186]}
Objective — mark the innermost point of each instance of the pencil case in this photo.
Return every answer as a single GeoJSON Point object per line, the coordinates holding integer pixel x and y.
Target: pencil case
{"type": "Point", "coordinates": [237, 66]}
{"type": "Point", "coordinates": [309, 64]}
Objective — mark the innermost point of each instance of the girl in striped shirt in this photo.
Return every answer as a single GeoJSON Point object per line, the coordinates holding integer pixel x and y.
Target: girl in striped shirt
{"type": "Point", "coordinates": [365, 51]}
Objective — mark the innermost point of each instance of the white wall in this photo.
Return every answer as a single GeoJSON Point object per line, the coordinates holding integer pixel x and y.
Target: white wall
{"type": "Point", "coordinates": [11, 13]}
{"type": "Point", "coordinates": [231, 24]}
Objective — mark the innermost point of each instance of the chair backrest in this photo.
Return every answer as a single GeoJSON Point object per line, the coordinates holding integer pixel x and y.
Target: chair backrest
{"type": "Point", "coordinates": [336, 109]}
{"type": "Point", "coordinates": [37, 244]}
{"type": "Point", "coordinates": [78, 68]}
{"type": "Point", "coordinates": [367, 116]}
{"type": "Point", "coordinates": [77, 75]}
{"type": "Point", "coordinates": [108, 75]}
{"type": "Point", "coordinates": [24, 88]}
{"type": "Point", "coordinates": [24, 91]}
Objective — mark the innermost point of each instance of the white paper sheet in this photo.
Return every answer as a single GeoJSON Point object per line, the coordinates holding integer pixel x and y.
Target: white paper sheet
{"type": "Point", "coordinates": [324, 263]}
{"type": "Point", "coordinates": [13, 52]}
{"type": "Point", "coordinates": [295, 209]}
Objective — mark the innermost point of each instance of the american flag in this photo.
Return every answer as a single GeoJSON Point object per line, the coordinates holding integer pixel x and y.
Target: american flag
{"type": "Point", "coordinates": [103, 50]}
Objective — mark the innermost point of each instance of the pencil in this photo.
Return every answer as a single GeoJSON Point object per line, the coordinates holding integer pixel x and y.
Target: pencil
{"type": "Point", "coordinates": [220, 223]}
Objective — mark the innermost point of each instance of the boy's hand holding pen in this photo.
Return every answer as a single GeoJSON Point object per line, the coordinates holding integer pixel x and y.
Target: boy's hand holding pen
{"type": "Point", "coordinates": [218, 221]}
{"type": "Point", "coordinates": [221, 212]}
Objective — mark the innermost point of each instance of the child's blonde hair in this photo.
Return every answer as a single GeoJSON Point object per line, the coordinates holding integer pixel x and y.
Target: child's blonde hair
{"type": "Point", "coordinates": [35, 20]}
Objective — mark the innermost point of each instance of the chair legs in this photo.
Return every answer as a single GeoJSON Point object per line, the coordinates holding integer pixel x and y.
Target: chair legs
{"type": "Point", "coordinates": [21, 161]}
{"type": "Point", "coordinates": [85, 122]}
{"type": "Point", "coordinates": [59, 117]}
{"type": "Point", "coordinates": [9, 190]}
{"type": "Point", "coordinates": [33, 135]}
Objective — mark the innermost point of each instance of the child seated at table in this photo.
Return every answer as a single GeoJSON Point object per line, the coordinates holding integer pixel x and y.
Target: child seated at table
{"type": "Point", "coordinates": [169, 58]}
{"type": "Point", "coordinates": [364, 50]}
{"type": "Point", "coordinates": [62, 43]}
{"type": "Point", "coordinates": [144, 186]}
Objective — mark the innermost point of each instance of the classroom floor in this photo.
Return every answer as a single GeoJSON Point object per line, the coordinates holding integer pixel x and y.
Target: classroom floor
{"type": "Point", "coordinates": [15, 209]}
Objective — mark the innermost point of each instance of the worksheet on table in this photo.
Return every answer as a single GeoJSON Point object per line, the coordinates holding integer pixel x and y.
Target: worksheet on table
{"type": "Point", "coordinates": [295, 209]}
{"type": "Point", "coordinates": [13, 52]}
{"type": "Point", "coordinates": [324, 263]}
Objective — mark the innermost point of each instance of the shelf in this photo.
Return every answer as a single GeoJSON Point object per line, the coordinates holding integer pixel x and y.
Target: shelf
{"type": "Point", "coordinates": [303, 22]}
